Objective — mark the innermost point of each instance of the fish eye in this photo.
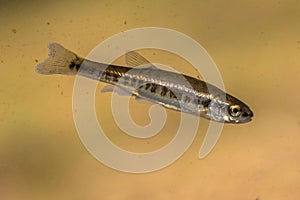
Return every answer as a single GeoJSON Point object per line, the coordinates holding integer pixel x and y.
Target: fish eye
{"type": "Point", "coordinates": [235, 110]}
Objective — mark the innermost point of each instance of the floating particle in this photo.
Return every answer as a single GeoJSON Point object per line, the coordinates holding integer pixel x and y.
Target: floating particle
{"type": "Point", "coordinates": [125, 22]}
{"type": "Point", "coordinates": [14, 30]}
{"type": "Point", "coordinates": [48, 23]}
{"type": "Point", "coordinates": [36, 60]}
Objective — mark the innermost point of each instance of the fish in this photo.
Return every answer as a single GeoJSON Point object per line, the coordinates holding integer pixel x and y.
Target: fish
{"type": "Point", "coordinates": [145, 81]}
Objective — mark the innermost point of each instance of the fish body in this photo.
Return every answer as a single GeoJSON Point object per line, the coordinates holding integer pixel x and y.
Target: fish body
{"type": "Point", "coordinates": [169, 89]}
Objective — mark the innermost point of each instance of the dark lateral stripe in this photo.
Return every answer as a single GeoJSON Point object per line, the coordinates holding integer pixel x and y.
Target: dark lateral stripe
{"type": "Point", "coordinates": [148, 85]}
{"type": "Point", "coordinates": [202, 101]}
{"type": "Point", "coordinates": [75, 63]}
{"type": "Point", "coordinates": [187, 99]}
{"type": "Point", "coordinates": [149, 91]}
{"type": "Point", "coordinates": [153, 88]}
{"type": "Point", "coordinates": [72, 65]}
{"type": "Point", "coordinates": [171, 94]}
{"type": "Point", "coordinates": [115, 77]}
{"type": "Point", "coordinates": [110, 76]}
{"type": "Point", "coordinates": [164, 91]}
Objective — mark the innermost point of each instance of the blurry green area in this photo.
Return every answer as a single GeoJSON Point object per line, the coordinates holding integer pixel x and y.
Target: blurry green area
{"type": "Point", "coordinates": [255, 44]}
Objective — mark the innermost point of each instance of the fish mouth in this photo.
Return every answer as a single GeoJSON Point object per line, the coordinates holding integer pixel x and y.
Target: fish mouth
{"type": "Point", "coordinates": [247, 116]}
{"type": "Point", "coordinates": [247, 119]}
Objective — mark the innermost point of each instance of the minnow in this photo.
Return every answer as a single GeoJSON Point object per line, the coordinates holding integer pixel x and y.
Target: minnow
{"type": "Point", "coordinates": [169, 89]}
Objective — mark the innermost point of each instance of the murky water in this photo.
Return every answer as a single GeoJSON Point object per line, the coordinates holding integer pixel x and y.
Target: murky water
{"type": "Point", "coordinates": [256, 46]}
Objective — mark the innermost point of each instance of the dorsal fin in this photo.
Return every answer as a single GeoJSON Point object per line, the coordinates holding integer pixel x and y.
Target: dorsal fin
{"type": "Point", "coordinates": [134, 59]}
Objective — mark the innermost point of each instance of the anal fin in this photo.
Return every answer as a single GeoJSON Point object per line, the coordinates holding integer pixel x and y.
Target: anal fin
{"type": "Point", "coordinates": [118, 90]}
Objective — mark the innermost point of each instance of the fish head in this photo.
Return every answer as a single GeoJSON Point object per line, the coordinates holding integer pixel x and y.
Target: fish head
{"type": "Point", "coordinates": [226, 108]}
{"type": "Point", "coordinates": [237, 112]}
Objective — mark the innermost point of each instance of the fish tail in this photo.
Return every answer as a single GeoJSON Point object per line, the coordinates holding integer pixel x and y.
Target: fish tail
{"type": "Point", "coordinates": [60, 61]}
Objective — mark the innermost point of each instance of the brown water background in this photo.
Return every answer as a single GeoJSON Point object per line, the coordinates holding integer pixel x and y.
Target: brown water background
{"type": "Point", "coordinates": [256, 45]}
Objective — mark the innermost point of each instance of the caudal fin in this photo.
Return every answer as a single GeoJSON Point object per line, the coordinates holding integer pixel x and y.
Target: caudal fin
{"type": "Point", "coordinates": [60, 61]}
